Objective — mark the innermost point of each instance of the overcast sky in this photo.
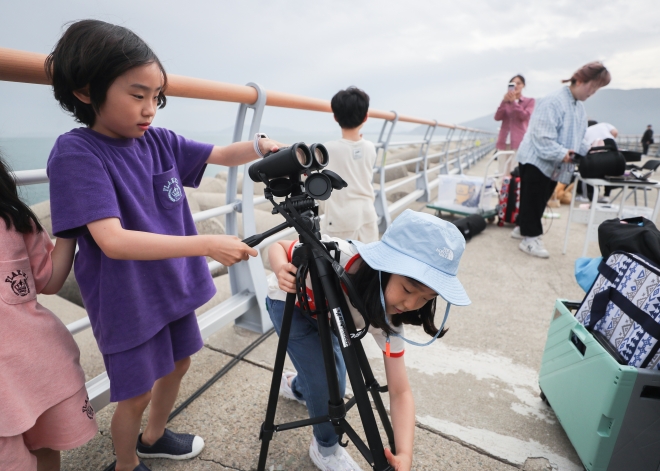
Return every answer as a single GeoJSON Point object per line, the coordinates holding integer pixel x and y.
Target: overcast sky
{"type": "Point", "coordinates": [438, 59]}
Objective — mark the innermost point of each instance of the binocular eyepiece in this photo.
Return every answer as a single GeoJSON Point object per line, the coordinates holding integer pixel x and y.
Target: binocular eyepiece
{"type": "Point", "coordinates": [281, 171]}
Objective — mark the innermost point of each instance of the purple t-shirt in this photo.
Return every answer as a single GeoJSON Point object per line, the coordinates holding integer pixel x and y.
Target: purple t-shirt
{"type": "Point", "coordinates": [139, 181]}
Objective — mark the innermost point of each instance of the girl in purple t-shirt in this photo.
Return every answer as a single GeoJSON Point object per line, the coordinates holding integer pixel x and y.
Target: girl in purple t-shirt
{"type": "Point", "coordinates": [116, 186]}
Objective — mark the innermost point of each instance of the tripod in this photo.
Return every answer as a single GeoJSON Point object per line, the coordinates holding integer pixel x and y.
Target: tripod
{"type": "Point", "coordinates": [331, 320]}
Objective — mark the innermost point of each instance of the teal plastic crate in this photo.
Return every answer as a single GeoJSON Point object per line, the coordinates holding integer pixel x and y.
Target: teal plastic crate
{"type": "Point", "coordinates": [610, 412]}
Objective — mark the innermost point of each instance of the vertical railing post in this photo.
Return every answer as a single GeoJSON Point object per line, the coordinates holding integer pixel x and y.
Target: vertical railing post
{"type": "Point", "coordinates": [248, 275]}
{"type": "Point", "coordinates": [469, 148]}
{"type": "Point", "coordinates": [450, 136]}
{"type": "Point", "coordinates": [459, 149]}
{"type": "Point", "coordinates": [422, 183]}
{"type": "Point", "coordinates": [384, 219]}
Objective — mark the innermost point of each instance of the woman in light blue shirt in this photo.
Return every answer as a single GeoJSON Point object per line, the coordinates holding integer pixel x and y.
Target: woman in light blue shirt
{"type": "Point", "coordinates": [555, 133]}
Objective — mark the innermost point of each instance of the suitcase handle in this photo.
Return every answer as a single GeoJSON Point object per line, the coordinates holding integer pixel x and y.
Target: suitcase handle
{"type": "Point", "coordinates": [577, 337]}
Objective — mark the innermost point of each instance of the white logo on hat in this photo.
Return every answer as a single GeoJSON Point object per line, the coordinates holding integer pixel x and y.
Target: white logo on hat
{"type": "Point", "coordinates": [446, 253]}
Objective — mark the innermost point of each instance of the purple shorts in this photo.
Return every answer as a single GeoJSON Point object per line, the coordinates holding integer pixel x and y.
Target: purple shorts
{"type": "Point", "coordinates": [133, 372]}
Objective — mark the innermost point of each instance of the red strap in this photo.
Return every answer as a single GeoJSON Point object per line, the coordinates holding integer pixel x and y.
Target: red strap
{"type": "Point", "coordinates": [394, 355]}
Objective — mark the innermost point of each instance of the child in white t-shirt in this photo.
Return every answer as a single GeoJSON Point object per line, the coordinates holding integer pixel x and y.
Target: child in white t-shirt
{"type": "Point", "coordinates": [350, 213]}
{"type": "Point", "coordinates": [598, 132]}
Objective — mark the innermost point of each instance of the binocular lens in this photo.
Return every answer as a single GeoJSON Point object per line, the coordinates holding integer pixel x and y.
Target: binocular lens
{"type": "Point", "coordinates": [320, 158]}
{"type": "Point", "coordinates": [320, 154]}
{"type": "Point", "coordinates": [302, 157]}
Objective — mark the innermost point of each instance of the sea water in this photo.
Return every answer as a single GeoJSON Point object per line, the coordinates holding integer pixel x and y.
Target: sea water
{"type": "Point", "coordinates": [29, 153]}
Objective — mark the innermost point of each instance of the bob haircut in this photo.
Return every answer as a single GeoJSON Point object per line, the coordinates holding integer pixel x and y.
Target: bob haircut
{"type": "Point", "coordinates": [367, 283]}
{"type": "Point", "coordinates": [593, 71]}
{"type": "Point", "coordinates": [350, 107]}
{"type": "Point", "coordinates": [93, 54]}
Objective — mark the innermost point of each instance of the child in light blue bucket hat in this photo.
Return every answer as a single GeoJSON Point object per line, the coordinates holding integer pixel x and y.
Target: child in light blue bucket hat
{"type": "Point", "coordinates": [399, 278]}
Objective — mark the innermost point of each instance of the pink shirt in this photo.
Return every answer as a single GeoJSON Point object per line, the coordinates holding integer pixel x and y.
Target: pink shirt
{"type": "Point", "coordinates": [39, 360]}
{"type": "Point", "coordinates": [515, 117]}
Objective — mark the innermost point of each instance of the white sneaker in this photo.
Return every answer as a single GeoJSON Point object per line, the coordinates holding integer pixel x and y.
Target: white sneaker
{"type": "Point", "coordinates": [582, 199]}
{"type": "Point", "coordinates": [339, 461]}
{"type": "Point", "coordinates": [285, 388]}
{"type": "Point", "coordinates": [533, 246]}
{"type": "Point", "coordinates": [515, 234]}
{"type": "Point", "coordinates": [604, 199]}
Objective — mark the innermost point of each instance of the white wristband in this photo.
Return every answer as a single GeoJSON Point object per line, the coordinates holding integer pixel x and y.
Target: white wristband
{"type": "Point", "coordinates": [258, 136]}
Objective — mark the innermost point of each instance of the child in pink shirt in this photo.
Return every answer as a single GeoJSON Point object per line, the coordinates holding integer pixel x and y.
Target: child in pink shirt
{"type": "Point", "coordinates": [44, 406]}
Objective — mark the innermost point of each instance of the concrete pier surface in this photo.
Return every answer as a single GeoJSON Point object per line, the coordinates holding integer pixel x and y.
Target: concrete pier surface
{"type": "Point", "coordinates": [476, 390]}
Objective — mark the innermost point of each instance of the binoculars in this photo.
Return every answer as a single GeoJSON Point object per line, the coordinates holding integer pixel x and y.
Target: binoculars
{"type": "Point", "coordinates": [281, 171]}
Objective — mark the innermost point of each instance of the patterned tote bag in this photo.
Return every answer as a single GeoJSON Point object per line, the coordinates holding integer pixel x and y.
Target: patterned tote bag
{"type": "Point", "coordinates": [624, 306]}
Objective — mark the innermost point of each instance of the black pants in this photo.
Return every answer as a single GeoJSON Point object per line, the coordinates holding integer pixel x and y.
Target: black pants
{"type": "Point", "coordinates": [535, 191]}
{"type": "Point", "coordinates": [645, 146]}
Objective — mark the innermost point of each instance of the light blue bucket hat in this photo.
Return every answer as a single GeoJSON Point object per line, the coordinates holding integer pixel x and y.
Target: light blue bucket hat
{"type": "Point", "coordinates": [424, 248]}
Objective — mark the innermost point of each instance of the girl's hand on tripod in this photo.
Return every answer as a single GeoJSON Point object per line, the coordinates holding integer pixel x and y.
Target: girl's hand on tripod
{"type": "Point", "coordinates": [229, 250]}
{"type": "Point", "coordinates": [399, 462]}
{"type": "Point", "coordinates": [286, 277]}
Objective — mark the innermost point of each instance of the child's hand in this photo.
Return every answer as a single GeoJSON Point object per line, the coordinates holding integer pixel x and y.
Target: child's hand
{"type": "Point", "coordinates": [399, 462]}
{"type": "Point", "coordinates": [267, 145]}
{"type": "Point", "coordinates": [228, 250]}
{"type": "Point", "coordinates": [286, 277]}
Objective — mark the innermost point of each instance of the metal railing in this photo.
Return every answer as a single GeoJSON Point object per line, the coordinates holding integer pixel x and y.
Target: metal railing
{"type": "Point", "coordinates": [247, 279]}
{"type": "Point", "coordinates": [634, 142]}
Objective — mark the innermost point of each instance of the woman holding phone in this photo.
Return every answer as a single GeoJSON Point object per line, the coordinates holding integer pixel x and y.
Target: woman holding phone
{"type": "Point", "coordinates": [514, 112]}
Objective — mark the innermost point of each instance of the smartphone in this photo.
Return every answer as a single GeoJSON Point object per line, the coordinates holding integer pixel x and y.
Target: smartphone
{"type": "Point", "coordinates": [512, 87]}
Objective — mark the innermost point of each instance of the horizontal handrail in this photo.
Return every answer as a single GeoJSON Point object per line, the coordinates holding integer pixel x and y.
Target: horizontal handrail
{"type": "Point", "coordinates": [403, 162]}
{"type": "Point", "coordinates": [31, 177]}
{"type": "Point", "coordinates": [28, 67]}
{"type": "Point", "coordinates": [407, 143]}
{"type": "Point", "coordinates": [401, 183]}
{"type": "Point", "coordinates": [218, 211]}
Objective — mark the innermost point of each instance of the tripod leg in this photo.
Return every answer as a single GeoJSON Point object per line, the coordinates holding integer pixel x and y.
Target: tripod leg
{"type": "Point", "coordinates": [369, 380]}
{"type": "Point", "coordinates": [321, 270]}
{"type": "Point", "coordinates": [268, 427]}
{"type": "Point", "coordinates": [374, 388]}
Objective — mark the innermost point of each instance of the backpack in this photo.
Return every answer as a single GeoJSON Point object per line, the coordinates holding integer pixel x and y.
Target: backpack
{"type": "Point", "coordinates": [509, 203]}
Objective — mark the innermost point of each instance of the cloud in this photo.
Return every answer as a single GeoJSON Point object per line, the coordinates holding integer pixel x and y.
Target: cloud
{"type": "Point", "coordinates": [433, 59]}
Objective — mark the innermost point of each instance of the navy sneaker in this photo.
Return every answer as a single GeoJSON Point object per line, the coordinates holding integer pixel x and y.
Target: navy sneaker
{"type": "Point", "coordinates": [174, 446]}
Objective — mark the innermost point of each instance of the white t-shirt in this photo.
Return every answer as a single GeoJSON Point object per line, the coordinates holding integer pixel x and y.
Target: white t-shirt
{"type": "Point", "coordinates": [598, 132]}
{"type": "Point", "coordinates": [352, 207]}
{"type": "Point", "coordinates": [347, 258]}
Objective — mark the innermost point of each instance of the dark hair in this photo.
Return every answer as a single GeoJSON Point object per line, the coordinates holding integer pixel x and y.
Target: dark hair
{"type": "Point", "coordinates": [366, 282]}
{"type": "Point", "coordinates": [94, 53]}
{"type": "Point", "coordinates": [522, 79]}
{"type": "Point", "coordinates": [593, 71]}
{"type": "Point", "coordinates": [350, 107]}
{"type": "Point", "coordinates": [591, 122]}
{"type": "Point", "coordinates": [12, 209]}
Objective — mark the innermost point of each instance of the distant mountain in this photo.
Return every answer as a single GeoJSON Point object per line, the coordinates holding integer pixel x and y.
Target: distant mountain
{"type": "Point", "coordinates": [630, 111]}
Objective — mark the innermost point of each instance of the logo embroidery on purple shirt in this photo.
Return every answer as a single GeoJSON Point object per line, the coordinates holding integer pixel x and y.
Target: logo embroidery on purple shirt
{"type": "Point", "coordinates": [19, 283]}
{"type": "Point", "coordinates": [173, 190]}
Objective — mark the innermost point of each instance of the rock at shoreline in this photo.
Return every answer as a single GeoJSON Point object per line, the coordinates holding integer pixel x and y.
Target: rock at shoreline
{"type": "Point", "coordinates": [71, 291]}
{"type": "Point", "coordinates": [42, 211]}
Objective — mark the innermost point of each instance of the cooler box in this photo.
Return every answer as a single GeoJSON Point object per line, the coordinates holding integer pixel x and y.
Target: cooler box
{"type": "Point", "coordinates": [610, 412]}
